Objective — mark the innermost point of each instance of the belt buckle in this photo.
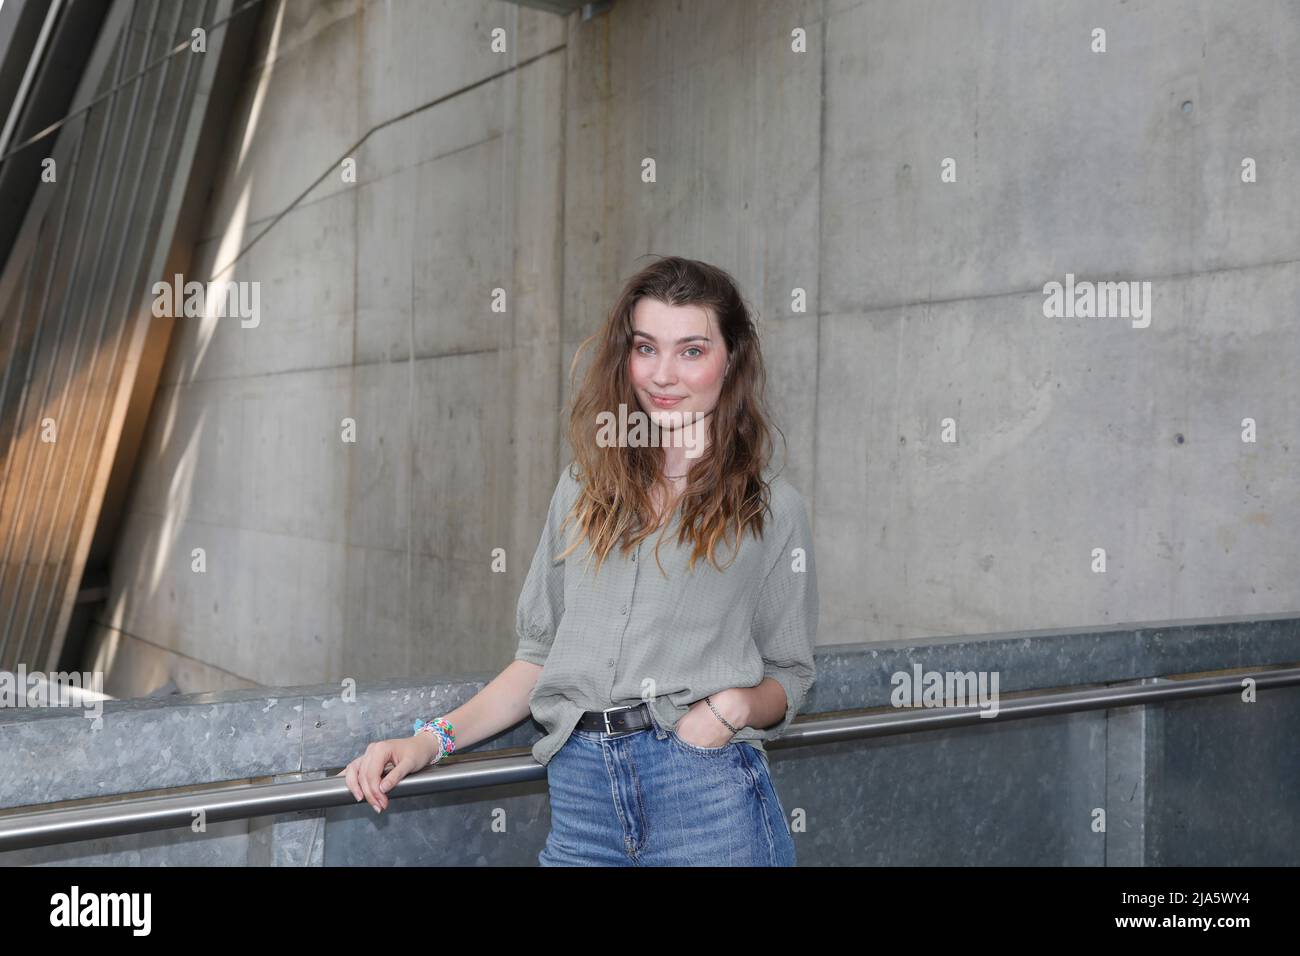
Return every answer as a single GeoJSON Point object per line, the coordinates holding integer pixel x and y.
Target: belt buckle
{"type": "Point", "coordinates": [605, 713]}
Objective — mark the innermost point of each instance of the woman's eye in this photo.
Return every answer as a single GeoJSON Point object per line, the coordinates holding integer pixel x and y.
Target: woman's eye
{"type": "Point", "coordinates": [694, 349]}
{"type": "Point", "coordinates": [643, 345]}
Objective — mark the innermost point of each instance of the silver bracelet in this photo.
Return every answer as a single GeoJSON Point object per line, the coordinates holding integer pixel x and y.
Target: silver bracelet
{"type": "Point", "coordinates": [719, 716]}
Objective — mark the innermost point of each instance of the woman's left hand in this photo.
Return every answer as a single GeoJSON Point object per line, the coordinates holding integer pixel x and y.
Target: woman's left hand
{"type": "Point", "coordinates": [700, 727]}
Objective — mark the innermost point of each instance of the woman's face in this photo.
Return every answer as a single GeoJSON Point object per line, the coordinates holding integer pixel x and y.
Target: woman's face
{"type": "Point", "coordinates": [677, 353]}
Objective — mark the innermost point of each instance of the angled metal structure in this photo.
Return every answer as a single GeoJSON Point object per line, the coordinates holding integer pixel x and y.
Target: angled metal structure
{"type": "Point", "coordinates": [116, 186]}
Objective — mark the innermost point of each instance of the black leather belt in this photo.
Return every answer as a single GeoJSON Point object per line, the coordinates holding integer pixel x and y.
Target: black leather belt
{"type": "Point", "coordinates": [616, 720]}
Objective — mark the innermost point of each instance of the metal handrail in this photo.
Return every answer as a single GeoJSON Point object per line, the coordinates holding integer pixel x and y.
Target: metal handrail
{"type": "Point", "coordinates": [221, 803]}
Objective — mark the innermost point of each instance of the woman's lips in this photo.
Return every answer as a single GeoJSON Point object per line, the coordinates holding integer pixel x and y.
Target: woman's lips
{"type": "Point", "coordinates": [664, 402]}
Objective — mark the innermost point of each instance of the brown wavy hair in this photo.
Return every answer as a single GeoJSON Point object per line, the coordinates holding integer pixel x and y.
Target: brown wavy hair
{"type": "Point", "coordinates": [725, 488]}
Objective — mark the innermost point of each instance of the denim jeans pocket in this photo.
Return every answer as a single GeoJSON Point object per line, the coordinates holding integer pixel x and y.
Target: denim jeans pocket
{"type": "Point", "coordinates": [692, 748]}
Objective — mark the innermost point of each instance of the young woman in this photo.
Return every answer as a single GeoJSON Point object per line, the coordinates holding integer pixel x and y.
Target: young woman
{"type": "Point", "coordinates": [656, 670]}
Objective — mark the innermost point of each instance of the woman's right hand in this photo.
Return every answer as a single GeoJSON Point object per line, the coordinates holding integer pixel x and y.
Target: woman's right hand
{"type": "Point", "coordinates": [404, 755]}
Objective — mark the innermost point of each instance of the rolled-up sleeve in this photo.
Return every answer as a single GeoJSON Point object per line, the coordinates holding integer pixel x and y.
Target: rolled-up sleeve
{"type": "Point", "coordinates": [541, 602]}
{"type": "Point", "coordinates": [785, 620]}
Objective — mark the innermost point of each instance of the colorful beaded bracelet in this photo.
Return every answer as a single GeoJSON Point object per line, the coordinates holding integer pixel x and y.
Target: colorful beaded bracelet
{"type": "Point", "coordinates": [441, 728]}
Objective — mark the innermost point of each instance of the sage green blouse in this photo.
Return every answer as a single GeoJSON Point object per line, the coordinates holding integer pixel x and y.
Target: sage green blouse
{"type": "Point", "coordinates": [632, 633]}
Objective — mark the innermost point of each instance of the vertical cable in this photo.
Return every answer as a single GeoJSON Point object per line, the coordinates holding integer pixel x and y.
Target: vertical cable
{"type": "Point", "coordinates": [18, 322]}
{"type": "Point", "coordinates": [134, 277]}
{"type": "Point", "coordinates": [29, 76]}
{"type": "Point", "coordinates": [31, 358]}
{"type": "Point", "coordinates": [93, 358]}
{"type": "Point", "coordinates": [76, 260]}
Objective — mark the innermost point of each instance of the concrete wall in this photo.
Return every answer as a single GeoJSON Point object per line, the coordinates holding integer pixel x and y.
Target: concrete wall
{"type": "Point", "coordinates": [817, 171]}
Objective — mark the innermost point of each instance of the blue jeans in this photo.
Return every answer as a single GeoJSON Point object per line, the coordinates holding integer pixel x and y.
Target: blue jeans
{"type": "Point", "coordinates": [648, 798]}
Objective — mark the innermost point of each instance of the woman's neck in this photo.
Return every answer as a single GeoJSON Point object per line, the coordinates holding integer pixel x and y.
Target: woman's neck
{"type": "Point", "coordinates": [676, 462]}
